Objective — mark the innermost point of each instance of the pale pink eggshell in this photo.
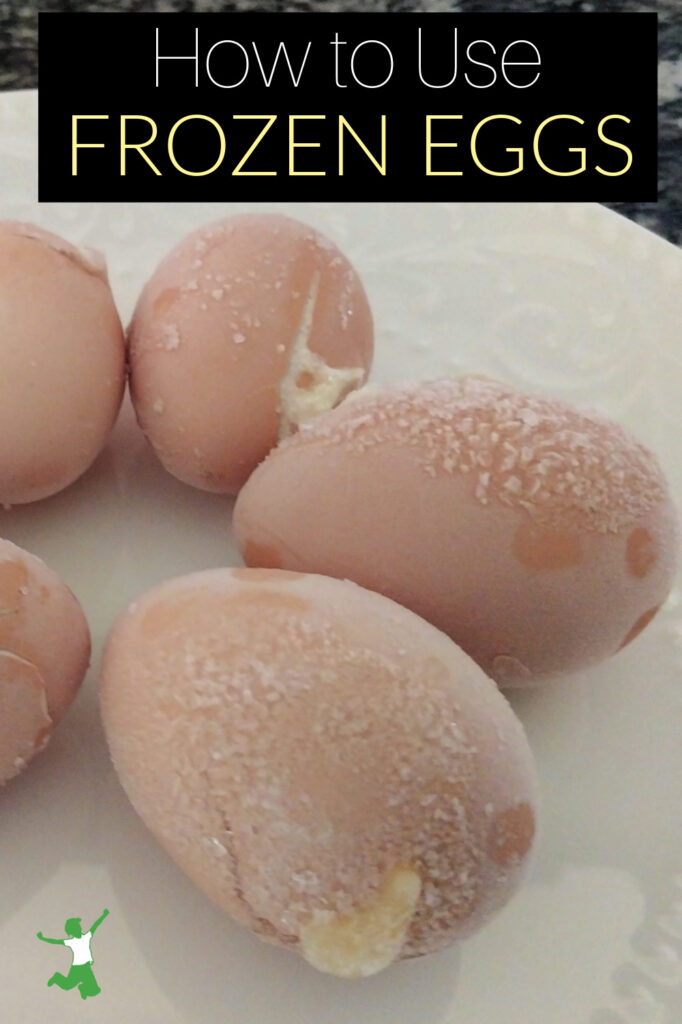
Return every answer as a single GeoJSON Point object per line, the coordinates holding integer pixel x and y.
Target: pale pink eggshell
{"type": "Point", "coordinates": [539, 538]}
{"type": "Point", "coordinates": [63, 362]}
{"type": "Point", "coordinates": [44, 655]}
{"type": "Point", "coordinates": [213, 339]}
{"type": "Point", "coordinates": [290, 739]}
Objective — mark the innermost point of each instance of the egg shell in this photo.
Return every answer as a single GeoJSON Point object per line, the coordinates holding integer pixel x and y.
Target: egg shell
{"type": "Point", "coordinates": [249, 325]}
{"type": "Point", "coordinates": [541, 539]}
{"type": "Point", "coordinates": [44, 655]}
{"type": "Point", "coordinates": [291, 739]}
{"type": "Point", "coordinates": [63, 362]}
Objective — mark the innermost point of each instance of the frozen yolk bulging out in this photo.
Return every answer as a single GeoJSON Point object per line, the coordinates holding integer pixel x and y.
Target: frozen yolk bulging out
{"type": "Point", "coordinates": [310, 387]}
{"type": "Point", "coordinates": [362, 943]}
{"type": "Point", "coordinates": [271, 324]}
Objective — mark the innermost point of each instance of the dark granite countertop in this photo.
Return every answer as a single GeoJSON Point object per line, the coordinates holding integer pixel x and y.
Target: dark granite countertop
{"type": "Point", "coordinates": [18, 62]}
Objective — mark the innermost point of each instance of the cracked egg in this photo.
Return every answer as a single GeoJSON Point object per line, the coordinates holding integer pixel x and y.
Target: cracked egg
{"type": "Point", "coordinates": [63, 362]}
{"type": "Point", "coordinates": [249, 327]}
{"type": "Point", "coordinates": [44, 655]}
{"type": "Point", "coordinates": [328, 768]}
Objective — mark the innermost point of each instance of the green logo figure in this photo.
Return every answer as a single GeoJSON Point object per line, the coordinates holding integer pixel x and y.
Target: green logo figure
{"type": "Point", "coordinates": [81, 971]}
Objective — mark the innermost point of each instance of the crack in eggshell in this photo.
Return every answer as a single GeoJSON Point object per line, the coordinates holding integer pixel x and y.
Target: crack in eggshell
{"type": "Point", "coordinates": [90, 260]}
{"type": "Point", "coordinates": [260, 925]}
{"type": "Point", "coordinates": [310, 386]}
{"type": "Point", "coordinates": [25, 723]}
{"type": "Point", "coordinates": [220, 841]}
{"type": "Point", "coordinates": [42, 624]}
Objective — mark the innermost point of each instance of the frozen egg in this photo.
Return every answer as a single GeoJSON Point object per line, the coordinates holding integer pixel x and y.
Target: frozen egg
{"type": "Point", "coordinates": [63, 362]}
{"type": "Point", "coordinates": [540, 538]}
{"type": "Point", "coordinates": [330, 769]}
{"type": "Point", "coordinates": [44, 655]}
{"type": "Point", "coordinates": [249, 327]}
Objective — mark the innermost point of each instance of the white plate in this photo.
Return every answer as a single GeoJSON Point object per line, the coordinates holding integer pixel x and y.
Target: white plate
{"type": "Point", "coordinates": [569, 299]}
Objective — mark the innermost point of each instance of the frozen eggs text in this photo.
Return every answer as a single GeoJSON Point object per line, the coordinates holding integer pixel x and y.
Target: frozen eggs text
{"type": "Point", "coordinates": [330, 769]}
{"type": "Point", "coordinates": [44, 654]}
{"type": "Point", "coordinates": [541, 539]}
{"type": "Point", "coordinates": [249, 327]}
{"type": "Point", "coordinates": [63, 362]}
